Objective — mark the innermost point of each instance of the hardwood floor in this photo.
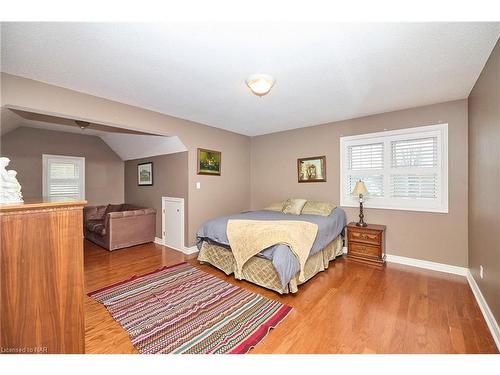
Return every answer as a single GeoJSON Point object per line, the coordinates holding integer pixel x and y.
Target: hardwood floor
{"type": "Point", "coordinates": [350, 308]}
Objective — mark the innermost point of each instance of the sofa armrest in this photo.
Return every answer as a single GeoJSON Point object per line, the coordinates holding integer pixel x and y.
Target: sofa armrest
{"type": "Point", "coordinates": [93, 213]}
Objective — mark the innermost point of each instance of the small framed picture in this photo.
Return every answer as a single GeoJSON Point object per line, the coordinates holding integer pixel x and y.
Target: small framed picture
{"type": "Point", "coordinates": [312, 169]}
{"type": "Point", "coordinates": [209, 162]}
{"type": "Point", "coordinates": [145, 174]}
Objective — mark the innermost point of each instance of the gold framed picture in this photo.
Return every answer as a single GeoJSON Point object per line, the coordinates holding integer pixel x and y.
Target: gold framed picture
{"type": "Point", "coordinates": [311, 169]}
{"type": "Point", "coordinates": [209, 162]}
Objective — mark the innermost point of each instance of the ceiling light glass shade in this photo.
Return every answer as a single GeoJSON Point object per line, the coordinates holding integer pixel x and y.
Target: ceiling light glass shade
{"type": "Point", "coordinates": [260, 84]}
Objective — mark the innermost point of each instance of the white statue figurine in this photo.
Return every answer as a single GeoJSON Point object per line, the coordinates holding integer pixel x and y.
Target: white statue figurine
{"type": "Point", "coordinates": [10, 189]}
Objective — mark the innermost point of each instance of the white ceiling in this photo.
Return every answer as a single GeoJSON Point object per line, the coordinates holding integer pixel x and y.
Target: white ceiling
{"type": "Point", "coordinates": [323, 72]}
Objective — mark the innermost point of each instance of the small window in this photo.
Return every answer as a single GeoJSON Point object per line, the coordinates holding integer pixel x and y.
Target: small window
{"type": "Point", "coordinates": [63, 177]}
{"type": "Point", "coordinates": [403, 169]}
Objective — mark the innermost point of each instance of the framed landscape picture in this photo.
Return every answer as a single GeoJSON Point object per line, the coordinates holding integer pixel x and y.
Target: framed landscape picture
{"type": "Point", "coordinates": [312, 169]}
{"type": "Point", "coordinates": [209, 162]}
{"type": "Point", "coordinates": [145, 174]}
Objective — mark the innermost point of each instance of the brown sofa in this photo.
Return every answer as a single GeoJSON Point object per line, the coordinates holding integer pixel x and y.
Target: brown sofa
{"type": "Point", "coordinates": [116, 226]}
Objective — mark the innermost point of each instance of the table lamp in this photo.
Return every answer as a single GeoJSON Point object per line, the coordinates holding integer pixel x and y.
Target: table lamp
{"type": "Point", "coordinates": [360, 191]}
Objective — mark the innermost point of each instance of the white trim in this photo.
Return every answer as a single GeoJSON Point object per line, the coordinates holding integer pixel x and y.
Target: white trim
{"type": "Point", "coordinates": [441, 267]}
{"type": "Point", "coordinates": [434, 266]}
{"type": "Point", "coordinates": [185, 250]}
{"type": "Point", "coordinates": [441, 130]}
{"type": "Point", "coordinates": [190, 250]}
{"type": "Point", "coordinates": [412, 130]}
{"type": "Point", "coordinates": [79, 159]}
{"type": "Point", "coordinates": [485, 309]}
{"type": "Point", "coordinates": [172, 199]}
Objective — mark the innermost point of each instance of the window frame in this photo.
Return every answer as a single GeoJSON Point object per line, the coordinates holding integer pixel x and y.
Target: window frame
{"type": "Point", "coordinates": [439, 205]}
{"type": "Point", "coordinates": [77, 159]}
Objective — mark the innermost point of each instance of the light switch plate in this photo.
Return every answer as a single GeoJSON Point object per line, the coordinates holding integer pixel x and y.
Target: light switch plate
{"type": "Point", "coordinates": [198, 185]}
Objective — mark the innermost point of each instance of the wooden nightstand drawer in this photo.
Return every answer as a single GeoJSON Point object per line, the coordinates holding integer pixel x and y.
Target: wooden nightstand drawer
{"type": "Point", "coordinates": [365, 250]}
{"type": "Point", "coordinates": [366, 244]}
{"type": "Point", "coordinates": [365, 236]}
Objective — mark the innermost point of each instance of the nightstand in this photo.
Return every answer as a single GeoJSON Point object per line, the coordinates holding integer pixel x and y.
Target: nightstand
{"type": "Point", "coordinates": [366, 244]}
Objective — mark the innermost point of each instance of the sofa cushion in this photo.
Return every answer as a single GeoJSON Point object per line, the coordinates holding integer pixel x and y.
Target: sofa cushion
{"type": "Point", "coordinates": [113, 208]}
{"type": "Point", "coordinates": [136, 212]}
{"type": "Point", "coordinates": [96, 226]}
{"type": "Point", "coordinates": [129, 207]}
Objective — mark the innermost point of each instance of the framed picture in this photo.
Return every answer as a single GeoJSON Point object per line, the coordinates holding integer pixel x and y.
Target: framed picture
{"type": "Point", "coordinates": [312, 169]}
{"type": "Point", "coordinates": [145, 174]}
{"type": "Point", "coordinates": [209, 162]}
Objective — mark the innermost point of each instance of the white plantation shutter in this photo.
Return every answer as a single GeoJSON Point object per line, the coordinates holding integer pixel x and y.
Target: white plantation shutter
{"type": "Point", "coordinates": [366, 156]}
{"type": "Point", "coordinates": [413, 186]}
{"type": "Point", "coordinates": [418, 158]}
{"type": "Point", "coordinates": [414, 153]}
{"type": "Point", "coordinates": [64, 177]}
{"type": "Point", "coordinates": [366, 162]}
{"type": "Point", "coordinates": [402, 169]}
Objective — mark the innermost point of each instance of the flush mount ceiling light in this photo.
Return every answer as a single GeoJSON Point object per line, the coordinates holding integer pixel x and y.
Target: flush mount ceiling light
{"type": "Point", "coordinates": [260, 84]}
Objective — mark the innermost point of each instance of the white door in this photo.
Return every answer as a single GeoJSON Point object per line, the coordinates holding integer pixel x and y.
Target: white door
{"type": "Point", "coordinates": [173, 222]}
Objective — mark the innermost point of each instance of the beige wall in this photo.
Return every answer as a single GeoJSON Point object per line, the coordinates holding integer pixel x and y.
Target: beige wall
{"type": "Point", "coordinates": [222, 195]}
{"type": "Point", "coordinates": [170, 179]}
{"type": "Point", "coordinates": [428, 236]}
{"type": "Point", "coordinates": [103, 168]}
{"type": "Point", "coordinates": [484, 181]}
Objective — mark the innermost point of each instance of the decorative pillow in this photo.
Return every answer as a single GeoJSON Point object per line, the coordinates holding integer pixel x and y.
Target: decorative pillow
{"type": "Point", "coordinates": [278, 206]}
{"type": "Point", "coordinates": [318, 208]}
{"type": "Point", "coordinates": [294, 206]}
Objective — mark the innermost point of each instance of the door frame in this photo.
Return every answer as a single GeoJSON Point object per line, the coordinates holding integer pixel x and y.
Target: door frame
{"type": "Point", "coordinates": [177, 200]}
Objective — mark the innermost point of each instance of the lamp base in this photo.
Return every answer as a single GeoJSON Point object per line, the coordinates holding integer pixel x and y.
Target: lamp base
{"type": "Point", "coordinates": [361, 222]}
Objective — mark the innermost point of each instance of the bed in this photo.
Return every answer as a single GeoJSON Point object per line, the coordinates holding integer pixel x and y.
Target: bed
{"type": "Point", "coordinates": [276, 267]}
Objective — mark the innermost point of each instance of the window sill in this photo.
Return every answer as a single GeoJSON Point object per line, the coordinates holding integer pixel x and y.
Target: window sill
{"type": "Point", "coordinates": [382, 207]}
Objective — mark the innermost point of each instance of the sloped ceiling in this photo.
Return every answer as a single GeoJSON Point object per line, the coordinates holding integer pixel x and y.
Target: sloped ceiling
{"type": "Point", "coordinates": [132, 146]}
{"type": "Point", "coordinates": [128, 145]}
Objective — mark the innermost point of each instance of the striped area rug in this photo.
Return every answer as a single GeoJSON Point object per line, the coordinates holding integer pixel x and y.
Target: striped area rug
{"type": "Point", "coordinates": [181, 309]}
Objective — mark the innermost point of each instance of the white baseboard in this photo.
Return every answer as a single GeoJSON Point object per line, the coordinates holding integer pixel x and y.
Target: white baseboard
{"type": "Point", "coordinates": [190, 250]}
{"type": "Point", "coordinates": [485, 309]}
{"type": "Point", "coordinates": [185, 250]}
{"type": "Point", "coordinates": [441, 267]}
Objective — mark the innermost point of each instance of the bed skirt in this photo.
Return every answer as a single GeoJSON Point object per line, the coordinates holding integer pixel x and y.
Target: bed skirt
{"type": "Point", "coordinates": [261, 271]}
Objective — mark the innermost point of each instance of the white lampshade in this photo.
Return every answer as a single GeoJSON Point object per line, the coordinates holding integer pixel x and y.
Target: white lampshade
{"type": "Point", "coordinates": [360, 189]}
{"type": "Point", "coordinates": [260, 84]}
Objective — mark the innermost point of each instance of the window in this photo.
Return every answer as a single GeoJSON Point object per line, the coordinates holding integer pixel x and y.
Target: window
{"type": "Point", "coordinates": [402, 169]}
{"type": "Point", "coordinates": [63, 177]}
